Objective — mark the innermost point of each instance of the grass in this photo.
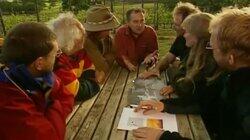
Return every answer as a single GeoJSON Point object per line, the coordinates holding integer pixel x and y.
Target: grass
{"type": "Point", "coordinates": [165, 39]}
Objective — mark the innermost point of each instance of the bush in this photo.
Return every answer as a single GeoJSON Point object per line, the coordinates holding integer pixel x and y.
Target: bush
{"type": "Point", "coordinates": [18, 7]}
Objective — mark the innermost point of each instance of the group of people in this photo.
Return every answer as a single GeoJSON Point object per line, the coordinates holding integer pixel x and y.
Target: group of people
{"type": "Point", "coordinates": [211, 75]}
{"type": "Point", "coordinates": [46, 67]}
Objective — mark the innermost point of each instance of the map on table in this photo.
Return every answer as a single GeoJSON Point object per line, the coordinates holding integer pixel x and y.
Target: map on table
{"type": "Point", "coordinates": [145, 89]}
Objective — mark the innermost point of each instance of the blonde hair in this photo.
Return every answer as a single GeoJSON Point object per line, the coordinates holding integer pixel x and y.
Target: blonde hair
{"type": "Point", "coordinates": [233, 31]}
{"type": "Point", "coordinates": [185, 9]}
{"type": "Point", "coordinates": [197, 24]}
{"type": "Point", "coordinates": [67, 28]}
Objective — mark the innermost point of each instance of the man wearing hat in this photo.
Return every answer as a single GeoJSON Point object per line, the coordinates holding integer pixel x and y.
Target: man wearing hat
{"type": "Point", "coordinates": [99, 44]}
{"type": "Point", "coordinates": [136, 42]}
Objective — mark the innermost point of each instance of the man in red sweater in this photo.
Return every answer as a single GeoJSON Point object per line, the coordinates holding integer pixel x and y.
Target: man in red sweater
{"type": "Point", "coordinates": [136, 42]}
{"type": "Point", "coordinates": [33, 102]}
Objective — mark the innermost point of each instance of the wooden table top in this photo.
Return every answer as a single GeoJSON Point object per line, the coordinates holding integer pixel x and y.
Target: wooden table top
{"type": "Point", "coordinates": [98, 117]}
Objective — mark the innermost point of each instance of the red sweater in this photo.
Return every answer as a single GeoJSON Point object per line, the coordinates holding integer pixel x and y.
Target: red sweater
{"type": "Point", "coordinates": [23, 118]}
{"type": "Point", "coordinates": [135, 49]}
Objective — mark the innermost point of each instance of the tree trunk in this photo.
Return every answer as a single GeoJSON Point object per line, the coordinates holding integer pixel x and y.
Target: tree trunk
{"type": "Point", "coordinates": [112, 5]}
{"type": "Point", "coordinates": [123, 12]}
{"type": "Point", "coordinates": [2, 23]}
{"type": "Point", "coordinates": [37, 12]}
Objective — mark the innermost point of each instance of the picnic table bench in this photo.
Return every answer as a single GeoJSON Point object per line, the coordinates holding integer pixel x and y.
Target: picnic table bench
{"type": "Point", "coordinates": [98, 117]}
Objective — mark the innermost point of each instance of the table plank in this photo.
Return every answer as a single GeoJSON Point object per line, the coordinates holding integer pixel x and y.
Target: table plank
{"type": "Point", "coordinates": [183, 126]}
{"type": "Point", "coordinates": [121, 134]}
{"type": "Point", "coordinates": [89, 125]}
{"type": "Point", "coordinates": [76, 121]}
{"type": "Point", "coordinates": [104, 127]}
{"type": "Point", "coordinates": [77, 104]}
{"type": "Point", "coordinates": [141, 69]}
{"type": "Point", "coordinates": [182, 119]}
{"type": "Point", "coordinates": [198, 127]}
{"type": "Point", "coordinates": [78, 115]}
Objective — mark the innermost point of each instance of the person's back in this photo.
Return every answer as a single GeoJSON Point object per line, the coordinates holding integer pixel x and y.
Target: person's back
{"type": "Point", "coordinates": [230, 40]}
{"type": "Point", "coordinates": [33, 102]}
{"type": "Point", "coordinates": [73, 66]}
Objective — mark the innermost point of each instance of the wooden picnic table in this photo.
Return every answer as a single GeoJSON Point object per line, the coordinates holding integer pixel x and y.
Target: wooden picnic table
{"type": "Point", "coordinates": [98, 117]}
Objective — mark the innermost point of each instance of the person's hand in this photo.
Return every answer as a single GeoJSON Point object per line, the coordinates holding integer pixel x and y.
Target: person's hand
{"type": "Point", "coordinates": [148, 60]}
{"type": "Point", "coordinates": [150, 73]}
{"type": "Point", "coordinates": [167, 90]}
{"type": "Point", "coordinates": [131, 67]}
{"type": "Point", "coordinates": [150, 106]}
{"type": "Point", "coordinates": [146, 133]}
{"type": "Point", "coordinates": [100, 76]}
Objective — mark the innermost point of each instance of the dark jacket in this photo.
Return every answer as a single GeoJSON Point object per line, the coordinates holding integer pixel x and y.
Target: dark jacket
{"type": "Point", "coordinates": [235, 106]}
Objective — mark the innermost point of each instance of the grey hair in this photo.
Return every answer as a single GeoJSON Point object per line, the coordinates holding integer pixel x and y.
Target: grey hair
{"type": "Point", "coordinates": [65, 26]}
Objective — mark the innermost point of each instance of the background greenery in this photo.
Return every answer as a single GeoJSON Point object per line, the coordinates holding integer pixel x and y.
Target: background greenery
{"type": "Point", "coordinates": [26, 10]}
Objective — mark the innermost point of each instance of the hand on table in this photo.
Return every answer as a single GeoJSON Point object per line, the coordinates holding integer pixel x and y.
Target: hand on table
{"type": "Point", "coordinates": [167, 90]}
{"type": "Point", "coordinates": [150, 106]}
{"type": "Point", "coordinates": [146, 133]}
{"type": "Point", "coordinates": [150, 73]}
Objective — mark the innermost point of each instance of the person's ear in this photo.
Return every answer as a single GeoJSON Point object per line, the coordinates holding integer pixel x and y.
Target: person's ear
{"type": "Point", "coordinates": [39, 63]}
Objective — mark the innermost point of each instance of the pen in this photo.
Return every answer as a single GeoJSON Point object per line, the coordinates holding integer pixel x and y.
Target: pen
{"type": "Point", "coordinates": [135, 106]}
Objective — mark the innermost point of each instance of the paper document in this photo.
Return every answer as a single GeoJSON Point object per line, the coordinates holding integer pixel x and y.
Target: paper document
{"type": "Point", "coordinates": [131, 120]}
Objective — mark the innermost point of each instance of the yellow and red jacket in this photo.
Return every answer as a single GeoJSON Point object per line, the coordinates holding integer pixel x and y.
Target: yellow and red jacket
{"type": "Point", "coordinates": [70, 68]}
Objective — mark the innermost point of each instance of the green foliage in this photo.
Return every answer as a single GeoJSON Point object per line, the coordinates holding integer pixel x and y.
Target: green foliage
{"type": "Point", "coordinates": [76, 5]}
{"type": "Point", "coordinates": [207, 5]}
{"type": "Point", "coordinates": [17, 7]}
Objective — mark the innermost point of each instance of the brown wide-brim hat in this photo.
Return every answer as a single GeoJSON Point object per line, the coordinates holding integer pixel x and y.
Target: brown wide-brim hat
{"type": "Point", "coordinates": [99, 18]}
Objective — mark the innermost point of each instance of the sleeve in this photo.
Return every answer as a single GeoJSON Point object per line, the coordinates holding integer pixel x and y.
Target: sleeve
{"type": "Point", "coordinates": [110, 53]}
{"type": "Point", "coordinates": [154, 46]}
{"type": "Point", "coordinates": [31, 123]}
{"type": "Point", "coordinates": [155, 41]}
{"type": "Point", "coordinates": [121, 49]}
{"type": "Point", "coordinates": [68, 78]}
{"type": "Point", "coordinates": [180, 106]}
{"type": "Point", "coordinates": [243, 116]}
{"type": "Point", "coordinates": [167, 135]}
{"type": "Point", "coordinates": [176, 47]}
{"type": "Point", "coordinates": [60, 108]}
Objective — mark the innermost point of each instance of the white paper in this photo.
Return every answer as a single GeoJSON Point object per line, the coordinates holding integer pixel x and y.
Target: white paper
{"type": "Point", "coordinates": [132, 120]}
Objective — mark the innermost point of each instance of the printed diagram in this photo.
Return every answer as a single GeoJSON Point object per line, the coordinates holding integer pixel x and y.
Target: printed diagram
{"type": "Point", "coordinates": [135, 122]}
{"type": "Point", "coordinates": [145, 122]}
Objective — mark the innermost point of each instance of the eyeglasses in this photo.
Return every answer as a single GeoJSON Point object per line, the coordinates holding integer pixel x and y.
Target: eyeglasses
{"type": "Point", "coordinates": [58, 53]}
{"type": "Point", "coordinates": [208, 46]}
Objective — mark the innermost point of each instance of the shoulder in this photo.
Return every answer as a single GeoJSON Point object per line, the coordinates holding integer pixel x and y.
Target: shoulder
{"type": "Point", "coordinates": [150, 29]}
{"type": "Point", "coordinates": [122, 29]}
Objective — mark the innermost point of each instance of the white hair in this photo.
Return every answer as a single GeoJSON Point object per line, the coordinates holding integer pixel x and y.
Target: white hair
{"type": "Point", "coordinates": [67, 28]}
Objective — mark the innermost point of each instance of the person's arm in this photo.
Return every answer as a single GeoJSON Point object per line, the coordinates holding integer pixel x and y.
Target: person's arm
{"type": "Point", "coordinates": [152, 54]}
{"type": "Point", "coordinates": [31, 121]}
{"type": "Point", "coordinates": [61, 106]}
{"type": "Point", "coordinates": [167, 135]}
{"type": "Point", "coordinates": [121, 52]}
{"type": "Point", "coordinates": [164, 63]}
